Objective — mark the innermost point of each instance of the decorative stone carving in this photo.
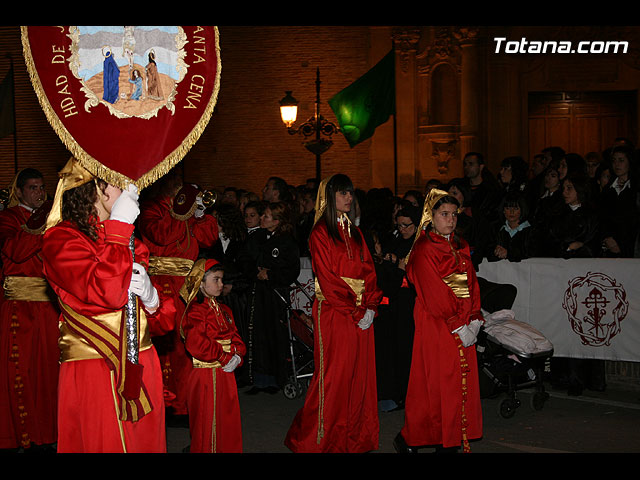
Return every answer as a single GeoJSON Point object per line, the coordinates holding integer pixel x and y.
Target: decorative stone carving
{"type": "Point", "coordinates": [405, 41]}
{"type": "Point", "coordinates": [442, 154]}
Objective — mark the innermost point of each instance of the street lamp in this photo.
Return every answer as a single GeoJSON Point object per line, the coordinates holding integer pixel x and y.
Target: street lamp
{"type": "Point", "coordinates": [316, 125]}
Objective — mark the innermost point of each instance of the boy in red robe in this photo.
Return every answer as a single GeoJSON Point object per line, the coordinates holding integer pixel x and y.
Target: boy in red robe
{"type": "Point", "coordinates": [28, 322]}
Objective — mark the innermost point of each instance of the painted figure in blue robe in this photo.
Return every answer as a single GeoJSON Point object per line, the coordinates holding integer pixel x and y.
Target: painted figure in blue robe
{"type": "Point", "coordinates": [137, 82]}
{"type": "Point", "coordinates": [111, 78]}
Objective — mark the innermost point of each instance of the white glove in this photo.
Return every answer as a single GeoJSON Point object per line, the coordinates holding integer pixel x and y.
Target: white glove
{"type": "Point", "coordinates": [466, 335]}
{"type": "Point", "coordinates": [141, 285]}
{"type": "Point", "coordinates": [366, 321]}
{"type": "Point", "coordinates": [232, 364]}
{"type": "Point", "coordinates": [200, 207]}
{"type": "Point", "coordinates": [474, 326]}
{"type": "Point", "coordinates": [125, 208]}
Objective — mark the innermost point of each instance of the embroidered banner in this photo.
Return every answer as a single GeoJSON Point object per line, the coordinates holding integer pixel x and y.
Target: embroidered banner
{"type": "Point", "coordinates": [128, 102]}
{"type": "Point", "coordinates": [587, 308]}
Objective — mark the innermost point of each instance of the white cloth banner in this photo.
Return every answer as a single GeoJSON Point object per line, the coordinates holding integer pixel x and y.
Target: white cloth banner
{"type": "Point", "coordinates": [587, 308]}
{"type": "Point", "coordinates": [305, 289]}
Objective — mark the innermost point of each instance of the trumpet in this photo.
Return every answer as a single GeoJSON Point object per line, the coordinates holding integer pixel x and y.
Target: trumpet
{"type": "Point", "coordinates": [4, 196]}
{"type": "Point", "coordinates": [209, 198]}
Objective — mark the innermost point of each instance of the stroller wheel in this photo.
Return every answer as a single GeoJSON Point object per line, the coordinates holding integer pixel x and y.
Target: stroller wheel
{"type": "Point", "coordinates": [537, 400]}
{"type": "Point", "coordinates": [507, 407]}
{"type": "Point", "coordinates": [293, 390]}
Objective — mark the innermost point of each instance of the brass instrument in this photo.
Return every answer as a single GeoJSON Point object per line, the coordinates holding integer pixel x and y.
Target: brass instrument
{"type": "Point", "coordinates": [4, 196]}
{"type": "Point", "coordinates": [209, 198]}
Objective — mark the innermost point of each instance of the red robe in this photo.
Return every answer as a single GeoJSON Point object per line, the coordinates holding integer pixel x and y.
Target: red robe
{"type": "Point", "coordinates": [340, 413]}
{"type": "Point", "coordinates": [214, 408]}
{"type": "Point", "coordinates": [166, 236]}
{"type": "Point", "coordinates": [28, 343]}
{"type": "Point", "coordinates": [436, 396]}
{"type": "Point", "coordinates": [92, 278]}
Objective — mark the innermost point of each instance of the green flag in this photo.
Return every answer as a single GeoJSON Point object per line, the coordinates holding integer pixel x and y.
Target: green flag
{"type": "Point", "coordinates": [7, 125]}
{"type": "Point", "coordinates": [367, 103]}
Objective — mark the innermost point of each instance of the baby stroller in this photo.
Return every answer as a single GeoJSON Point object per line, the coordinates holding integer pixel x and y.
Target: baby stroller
{"type": "Point", "coordinates": [511, 357]}
{"type": "Point", "coordinates": [300, 329]}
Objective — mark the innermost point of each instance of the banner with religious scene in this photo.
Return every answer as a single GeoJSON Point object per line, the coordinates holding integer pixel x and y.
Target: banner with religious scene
{"type": "Point", "coordinates": [127, 101]}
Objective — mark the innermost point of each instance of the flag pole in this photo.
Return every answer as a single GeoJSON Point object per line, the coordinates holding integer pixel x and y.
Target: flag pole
{"type": "Point", "coordinates": [15, 127]}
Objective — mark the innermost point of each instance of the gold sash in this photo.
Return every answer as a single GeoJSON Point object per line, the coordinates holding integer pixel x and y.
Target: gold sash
{"type": "Point", "coordinates": [176, 266]}
{"type": "Point", "coordinates": [32, 289]}
{"type": "Point", "coordinates": [103, 335]}
{"type": "Point", "coordinates": [458, 283]}
{"type": "Point", "coordinates": [356, 285]}
{"type": "Point", "coordinates": [226, 347]}
{"type": "Point", "coordinates": [74, 347]}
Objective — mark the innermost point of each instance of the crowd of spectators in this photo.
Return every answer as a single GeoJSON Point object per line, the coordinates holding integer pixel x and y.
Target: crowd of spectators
{"type": "Point", "coordinates": [562, 205]}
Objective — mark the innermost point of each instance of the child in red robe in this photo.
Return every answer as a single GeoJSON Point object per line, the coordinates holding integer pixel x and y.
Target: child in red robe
{"type": "Point", "coordinates": [212, 340]}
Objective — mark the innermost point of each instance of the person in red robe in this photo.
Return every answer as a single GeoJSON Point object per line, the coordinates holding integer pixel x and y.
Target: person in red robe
{"type": "Point", "coordinates": [214, 344]}
{"type": "Point", "coordinates": [340, 410]}
{"type": "Point", "coordinates": [109, 401]}
{"type": "Point", "coordinates": [174, 228]}
{"type": "Point", "coordinates": [28, 322]}
{"type": "Point", "coordinates": [442, 407]}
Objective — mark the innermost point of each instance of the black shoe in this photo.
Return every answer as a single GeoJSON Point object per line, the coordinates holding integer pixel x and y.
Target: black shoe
{"type": "Point", "coordinates": [441, 449]}
{"type": "Point", "coordinates": [45, 448]}
{"type": "Point", "coordinates": [401, 446]}
{"type": "Point", "coordinates": [177, 421]}
{"type": "Point", "coordinates": [254, 391]}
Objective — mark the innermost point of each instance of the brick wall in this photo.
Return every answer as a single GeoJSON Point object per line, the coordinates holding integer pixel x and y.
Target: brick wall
{"type": "Point", "coordinates": [245, 142]}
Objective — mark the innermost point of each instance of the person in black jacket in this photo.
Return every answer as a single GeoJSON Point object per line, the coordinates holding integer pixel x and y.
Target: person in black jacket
{"type": "Point", "coordinates": [618, 206]}
{"type": "Point", "coordinates": [573, 233]}
{"type": "Point", "coordinates": [272, 261]}
{"type": "Point", "coordinates": [513, 237]}
{"type": "Point", "coordinates": [394, 327]}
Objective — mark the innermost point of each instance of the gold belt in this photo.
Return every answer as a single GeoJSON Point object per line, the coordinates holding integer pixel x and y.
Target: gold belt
{"type": "Point", "coordinates": [458, 283]}
{"type": "Point", "coordinates": [73, 347]}
{"type": "Point", "coordinates": [356, 284]}
{"type": "Point", "coordinates": [33, 289]}
{"type": "Point", "coordinates": [226, 347]}
{"type": "Point", "coordinates": [176, 266]}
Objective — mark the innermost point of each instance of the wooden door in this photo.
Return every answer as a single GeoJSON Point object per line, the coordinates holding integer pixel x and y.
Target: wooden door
{"type": "Point", "coordinates": [581, 122]}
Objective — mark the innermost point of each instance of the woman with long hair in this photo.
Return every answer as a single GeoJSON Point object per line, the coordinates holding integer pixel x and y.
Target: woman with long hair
{"type": "Point", "coordinates": [442, 407]}
{"type": "Point", "coordinates": [108, 401]}
{"type": "Point", "coordinates": [340, 410]}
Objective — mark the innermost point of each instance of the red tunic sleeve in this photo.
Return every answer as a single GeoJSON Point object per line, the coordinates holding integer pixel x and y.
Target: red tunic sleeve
{"type": "Point", "coordinates": [332, 260]}
{"type": "Point", "coordinates": [373, 294]}
{"type": "Point", "coordinates": [431, 261]}
{"type": "Point", "coordinates": [168, 236]}
{"type": "Point", "coordinates": [19, 247]}
{"type": "Point", "coordinates": [87, 272]}
{"type": "Point", "coordinates": [204, 326]}
{"type": "Point", "coordinates": [163, 320]}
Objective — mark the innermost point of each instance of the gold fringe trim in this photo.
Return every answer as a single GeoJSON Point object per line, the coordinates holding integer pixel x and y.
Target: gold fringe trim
{"type": "Point", "coordinates": [94, 166]}
{"type": "Point", "coordinates": [214, 423]}
{"type": "Point", "coordinates": [464, 368]}
{"type": "Point", "coordinates": [320, 435]}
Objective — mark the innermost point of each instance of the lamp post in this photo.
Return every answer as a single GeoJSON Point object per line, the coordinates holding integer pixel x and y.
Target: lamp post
{"type": "Point", "coordinates": [317, 127]}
